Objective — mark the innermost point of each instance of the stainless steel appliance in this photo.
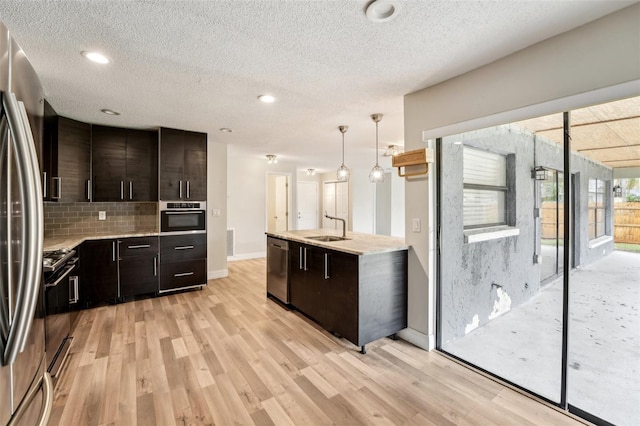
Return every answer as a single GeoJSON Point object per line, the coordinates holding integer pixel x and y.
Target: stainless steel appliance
{"type": "Point", "coordinates": [278, 268]}
{"type": "Point", "coordinates": [177, 217]}
{"type": "Point", "coordinates": [25, 387]}
{"type": "Point", "coordinates": [60, 292]}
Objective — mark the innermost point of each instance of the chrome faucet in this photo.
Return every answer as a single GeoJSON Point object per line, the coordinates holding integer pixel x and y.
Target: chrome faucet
{"type": "Point", "coordinates": [344, 223]}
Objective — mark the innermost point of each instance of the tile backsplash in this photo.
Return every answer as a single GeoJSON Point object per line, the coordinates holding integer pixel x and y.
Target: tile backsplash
{"type": "Point", "coordinates": [64, 219]}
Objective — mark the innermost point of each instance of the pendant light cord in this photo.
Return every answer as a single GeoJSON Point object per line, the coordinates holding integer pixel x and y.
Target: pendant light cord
{"type": "Point", "coordinates": [377, 143]}
{"type": "Point", "coordinates": [342, 148]}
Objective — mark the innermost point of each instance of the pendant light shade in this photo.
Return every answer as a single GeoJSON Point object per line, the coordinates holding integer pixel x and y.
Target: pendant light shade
{"type": "Point", "coordinates": [377, 173]}
{"type": "Point", "coordinates": [343, 172]}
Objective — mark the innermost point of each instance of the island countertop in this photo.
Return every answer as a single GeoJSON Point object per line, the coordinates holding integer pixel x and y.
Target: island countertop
{"type": "Point", "coordinates": [356, 242]}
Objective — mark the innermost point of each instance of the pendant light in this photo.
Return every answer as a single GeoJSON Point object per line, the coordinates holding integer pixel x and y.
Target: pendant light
{"type": "Point", "coordinates": [343, 171]}
{"type": "Point", "coordinates": [377, 173]}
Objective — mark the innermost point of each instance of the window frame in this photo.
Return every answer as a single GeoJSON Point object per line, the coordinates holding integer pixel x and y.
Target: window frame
{"type": "Point", "coordinates": [501, 189]}
{"type": "Point", "coordinates": [599, 194]}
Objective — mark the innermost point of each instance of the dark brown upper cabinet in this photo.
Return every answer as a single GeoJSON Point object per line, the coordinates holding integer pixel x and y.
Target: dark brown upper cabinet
{"type": "Point", "coordinates": [183, 165]}
{"type": "Point", "coordinates": [66, 159]}
{"type": "Point", "coordinates": [125, 164]}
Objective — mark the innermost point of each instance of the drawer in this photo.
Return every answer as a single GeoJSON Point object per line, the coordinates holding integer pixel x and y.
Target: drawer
{"type": "Point", "coordinates": [175, 248]}
{"type": "Point", "coordinates": [138, 246]}
{"type": "Point", "coordinates": [183, 274]}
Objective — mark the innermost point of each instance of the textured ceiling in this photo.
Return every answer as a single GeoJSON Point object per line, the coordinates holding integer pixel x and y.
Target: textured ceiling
{"type": "Point", "coordinates": [201, 65]}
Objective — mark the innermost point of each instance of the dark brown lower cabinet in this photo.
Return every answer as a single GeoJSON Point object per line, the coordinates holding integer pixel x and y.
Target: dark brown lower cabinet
{"type": "Point", "coordinates": [99, 271]}
{"type": "Point", "coordinates": [183, 261]}
{"type": "Point", "coordinates": [359, 297]}
{"type": "Point", "coordinates": [139, 266]}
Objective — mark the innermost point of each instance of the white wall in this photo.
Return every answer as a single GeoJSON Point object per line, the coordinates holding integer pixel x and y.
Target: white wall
{"type": "Point", "coordinates": [216, 202]}
{"type": "Point", "coordinates": [595, 63]}
{"type": "Point", "coordinates": [246, 202]}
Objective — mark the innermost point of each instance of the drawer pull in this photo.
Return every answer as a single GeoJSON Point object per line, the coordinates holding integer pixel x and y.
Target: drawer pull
{"type": "Point", "coordinates": [139, 246]}
{"type": "Point", "coordinates": [183, 274]}
{"type": "Point", "coordinates": [183, 248]}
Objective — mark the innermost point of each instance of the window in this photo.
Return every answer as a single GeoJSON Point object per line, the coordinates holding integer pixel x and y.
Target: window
{"type": "Point", "coordinates": [597, 211]}
{"type": "Point", "coordinates": [485, 188]}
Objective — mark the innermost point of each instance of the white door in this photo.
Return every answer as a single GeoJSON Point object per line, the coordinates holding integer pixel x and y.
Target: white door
{"type": "Point", "coordinates": [307, 195]}
{"type": "Point", "coordinates": [282, 205]}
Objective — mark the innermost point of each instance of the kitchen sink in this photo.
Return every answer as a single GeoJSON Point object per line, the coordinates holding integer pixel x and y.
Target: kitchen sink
{"type": "Point", "coordinates": [327, 238]}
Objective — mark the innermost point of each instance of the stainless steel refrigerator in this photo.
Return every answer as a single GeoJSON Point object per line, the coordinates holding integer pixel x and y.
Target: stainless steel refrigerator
{"type": "Point", "coordinates": [25, 388]}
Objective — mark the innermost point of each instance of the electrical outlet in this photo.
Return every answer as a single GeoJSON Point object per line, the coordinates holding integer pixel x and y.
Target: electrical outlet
{"type": "Point", "coordinates": [102, 215]}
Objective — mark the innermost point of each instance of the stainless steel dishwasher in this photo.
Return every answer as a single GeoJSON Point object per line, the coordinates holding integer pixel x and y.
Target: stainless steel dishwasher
{"type": "Point", "coordinates": [278, 269]}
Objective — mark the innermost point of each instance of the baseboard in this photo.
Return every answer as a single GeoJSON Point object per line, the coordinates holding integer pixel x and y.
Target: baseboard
{"type": "Point", "coordinates": [421, 340]}
{"type": "Point", "coordinates": [247, 256]}
{"type": "Point", "coordinates": [222, 273]}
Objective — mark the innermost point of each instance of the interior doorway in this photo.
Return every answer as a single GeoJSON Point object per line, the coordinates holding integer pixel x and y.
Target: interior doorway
{"type": "Point", "coordinates": [307, 202]}
{"type": "Point", "coordinates": [278, 202]}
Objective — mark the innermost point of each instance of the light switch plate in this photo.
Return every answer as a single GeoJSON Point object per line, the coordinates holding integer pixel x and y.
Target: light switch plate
{"type": "Point", "coordinates": [415, 225]}
{"type": "Point", "coordinates": [102, 215]}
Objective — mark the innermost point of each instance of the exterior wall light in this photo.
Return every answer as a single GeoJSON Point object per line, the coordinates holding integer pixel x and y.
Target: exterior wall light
{"type": "Point", "coordinates": [540, 173]}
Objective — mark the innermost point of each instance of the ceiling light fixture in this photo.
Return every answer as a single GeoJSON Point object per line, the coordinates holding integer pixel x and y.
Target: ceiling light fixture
{"type": "Point", "coordinates": [272, 159]}
{"type": "Point", "coordinates": [377, 173]}
{"type": "Point", "coordinates": [267, 99]}
{"type": "Point", "coordinates": [311, 172]}
{"type": "Point", "coordinates": [109, 111]}
{"type": "Point", "coordinates": [382, 10]}
{"type": "Point", "coordinates": [343, 171]}
{"type": "Point", "coordinates": [226, 130]}
{"type": "Point", "coordinates": [96, 57]}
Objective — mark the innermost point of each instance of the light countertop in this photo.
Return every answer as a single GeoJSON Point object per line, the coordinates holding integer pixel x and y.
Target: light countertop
{"type": "Point", "coordinates": [69, 242]}
{"type": "Point", "coordinates": [357, 243]}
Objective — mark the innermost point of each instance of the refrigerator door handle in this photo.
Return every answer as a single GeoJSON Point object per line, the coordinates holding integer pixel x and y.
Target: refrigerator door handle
{"type": "Point", "coordinates": [28, 173]}
{"type": "Point", "coordinates": [47, 403]}
{"type": "Point", "coordinates": [5, 316]}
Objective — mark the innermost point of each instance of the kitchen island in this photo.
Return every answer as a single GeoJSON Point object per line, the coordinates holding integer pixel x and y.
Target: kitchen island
{"type": "Point", "coordinates": [355, 287]}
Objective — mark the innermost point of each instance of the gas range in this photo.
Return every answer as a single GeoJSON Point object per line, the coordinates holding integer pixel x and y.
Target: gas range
{"type": "Point", "coordinates": [53, 260]}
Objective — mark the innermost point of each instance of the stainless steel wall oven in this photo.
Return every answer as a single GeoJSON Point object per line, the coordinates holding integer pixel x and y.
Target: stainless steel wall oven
{"type": "Point", "coordinates": [183, 218]}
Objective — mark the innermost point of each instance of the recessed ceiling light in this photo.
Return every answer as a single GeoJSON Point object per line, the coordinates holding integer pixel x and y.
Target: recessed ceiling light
{"type": "Point", "coordinates": [226, 130]}
{"type": "Point", "coordinates": [382, 10]}
{"type": "Point", "coordinates": [110, 111]}
{"type": "Point", "coordinates": [267, 99]}
{"type": "Point", "coordinates": [96, 57]}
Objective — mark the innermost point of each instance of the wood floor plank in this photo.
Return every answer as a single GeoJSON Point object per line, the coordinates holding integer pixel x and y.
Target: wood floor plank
{"type": "Point", "coordinates": [228, 355]}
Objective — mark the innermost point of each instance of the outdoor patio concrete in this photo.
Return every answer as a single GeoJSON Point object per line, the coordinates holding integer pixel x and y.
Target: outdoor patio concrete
{"type": "Point", "coordinates": [524, 345]}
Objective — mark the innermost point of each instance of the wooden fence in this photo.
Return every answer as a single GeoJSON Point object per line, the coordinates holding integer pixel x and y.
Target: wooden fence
{"type": "Point", "coordinates": [626, 222]}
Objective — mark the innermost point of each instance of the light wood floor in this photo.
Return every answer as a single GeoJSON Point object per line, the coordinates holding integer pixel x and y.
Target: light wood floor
{"type": "Point", "coordinates": [229, 356]}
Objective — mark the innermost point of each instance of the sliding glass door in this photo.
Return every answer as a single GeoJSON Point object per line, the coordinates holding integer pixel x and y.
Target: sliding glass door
{"type": "Point", "coordinates": [539, 256]}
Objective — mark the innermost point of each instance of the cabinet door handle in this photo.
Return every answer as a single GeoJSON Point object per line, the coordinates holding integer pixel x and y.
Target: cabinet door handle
{"type": "Point", "coordinates": [183, 274]}
{"type": "Point", "coordinates": [155, 266]}
{"type": "Point", "coordinates": [58, 182]}
{"type": "Point", "coordinates": [326, 266]}
{"type": "Point", "coordinates": [183, 248]}
{"type": "Point", "coordinates": [180, 186]}
{"type": "Point", "coordinates": [122, 190]}
{"type": "Point", "coordinates": [44, 184]}
{"type": "Point", "coordinates": [131, 190]}
{"type": "Point", "coordinates": [89, 189]}
{"type": "Point", "coordinates": [139, 246]}
{"type": "Point", "coordinates": [188, 189]}
{"type": "Point", "coordinates": [300, 264]}
{"type": "Point", "coordinates": [74, 280]}
{"type": "Point", "coordinates": [305, 259]}
{"type": "Point", "coordinates": [113, 245]}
